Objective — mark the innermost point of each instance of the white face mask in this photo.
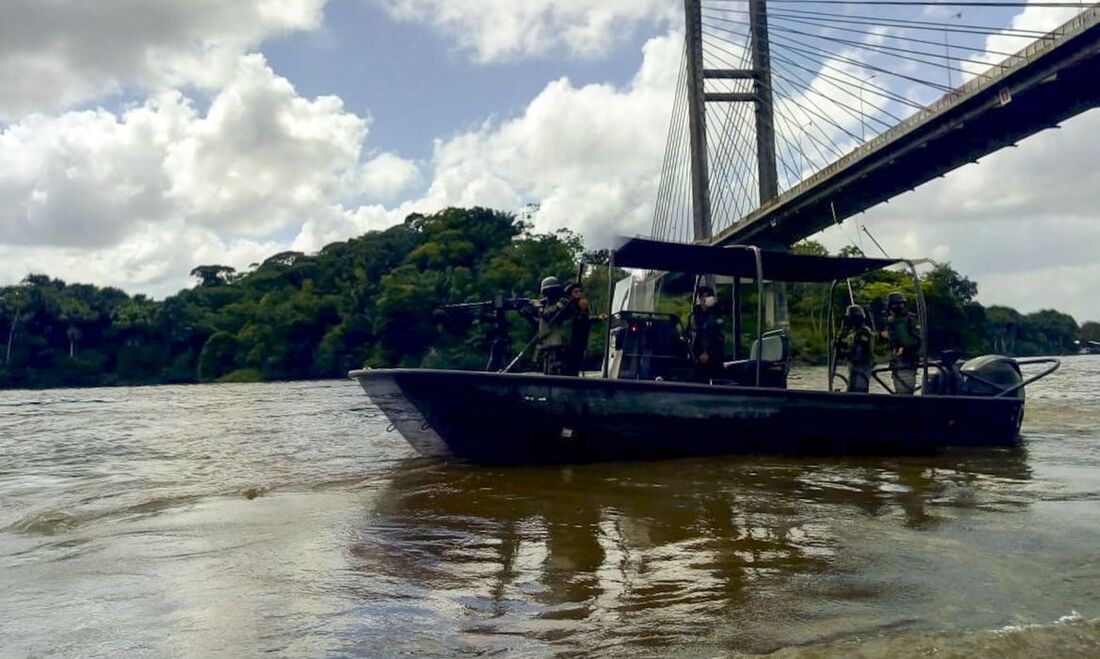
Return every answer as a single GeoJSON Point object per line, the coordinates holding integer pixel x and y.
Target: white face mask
{"type": "Point", "coordinates": [709, 301]}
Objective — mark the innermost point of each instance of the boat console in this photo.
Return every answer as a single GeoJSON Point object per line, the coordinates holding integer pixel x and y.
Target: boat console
{"type": "Point", "coordinates": [649, 346]}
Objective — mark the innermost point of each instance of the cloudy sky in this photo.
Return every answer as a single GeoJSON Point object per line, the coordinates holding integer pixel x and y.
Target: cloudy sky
{"type": "Point", "coordinates": [139, 139]}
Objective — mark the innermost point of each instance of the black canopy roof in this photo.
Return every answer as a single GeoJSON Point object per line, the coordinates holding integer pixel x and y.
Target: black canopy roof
{"type": "Point", "coordinates": [739, 261]}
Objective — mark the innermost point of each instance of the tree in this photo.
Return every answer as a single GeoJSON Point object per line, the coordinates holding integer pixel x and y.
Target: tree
{"type": "Point", "coordinates": [943, 278]}
{"type": "Point", "coordinates": [218, 357]}
{"type": "Point", "coordinates": [1003, 328]}
{"type": "Point", "coordinates": [1049, 332]}
{"type": "Point", "coordinates": [1090, 331]}
{"type": "Point", "coordinates": [12, 303]}
{"type": "Point", "coordinates": [213, 275]}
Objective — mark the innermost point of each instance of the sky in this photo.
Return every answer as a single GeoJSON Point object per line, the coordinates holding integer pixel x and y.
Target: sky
{"type": "Point", "coordinates": [140, 139]}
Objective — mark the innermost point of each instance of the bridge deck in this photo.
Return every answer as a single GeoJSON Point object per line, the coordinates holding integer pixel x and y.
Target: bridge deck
{"type": "Point", "coordinates": [1051, 80]}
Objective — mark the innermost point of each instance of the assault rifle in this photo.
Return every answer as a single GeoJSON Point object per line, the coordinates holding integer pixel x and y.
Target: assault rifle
{"type": "Point", "coordinates": [494, 311]}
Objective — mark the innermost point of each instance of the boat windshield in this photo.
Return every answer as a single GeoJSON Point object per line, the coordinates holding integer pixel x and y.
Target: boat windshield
{"type": "Point", "coordinates": [636, 292]}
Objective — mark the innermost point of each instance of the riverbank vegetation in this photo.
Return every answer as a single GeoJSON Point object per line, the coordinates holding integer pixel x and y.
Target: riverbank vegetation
{"type": "Point", "coordinates": [376, 300]}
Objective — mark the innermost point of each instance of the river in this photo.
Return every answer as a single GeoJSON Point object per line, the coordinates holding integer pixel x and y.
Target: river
{"type": "Point", "coordinates": [234, 520]}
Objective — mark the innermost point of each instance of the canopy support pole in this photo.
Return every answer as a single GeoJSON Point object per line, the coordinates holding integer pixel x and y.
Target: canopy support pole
{"type": "Point", "coordinates": [759, 311]}
{"type": "Point", "coordinates": [610, 305]}
{"type": "Point", "coordinates": [830, 344]}
{"type": "Point", "coordinates": [922, 316]}
{"type": "Point", "coordinates": [737, 347]}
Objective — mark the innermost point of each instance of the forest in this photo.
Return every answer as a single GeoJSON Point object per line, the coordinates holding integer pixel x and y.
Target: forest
{"type": "Point", "coordinates": [377, 299]}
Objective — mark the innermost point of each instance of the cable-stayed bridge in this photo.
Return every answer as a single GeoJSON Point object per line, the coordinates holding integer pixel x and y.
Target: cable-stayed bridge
{"type": "Point", "coordinates": [792, 115]}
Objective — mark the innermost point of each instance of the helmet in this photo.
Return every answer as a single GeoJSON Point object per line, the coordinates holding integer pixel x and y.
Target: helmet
{"type": "Point", "coordinates": [571, 286]}
{"type": "Point", "coordinates": [894, 299]}
{"type": "Point", "coordinates": [704, 290]}
{"type": "Point", "coordinates": [548, 283]}
{"type": "Point", "coordinates": [856, 312]}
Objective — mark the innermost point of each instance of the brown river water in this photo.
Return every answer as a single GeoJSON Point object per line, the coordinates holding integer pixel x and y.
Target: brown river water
{"type": "Point", "coordinates": [238, 520]}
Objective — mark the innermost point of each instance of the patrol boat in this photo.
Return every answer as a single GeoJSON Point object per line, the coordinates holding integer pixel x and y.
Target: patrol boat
{"type": "Point", "coordinates": [643, 405]}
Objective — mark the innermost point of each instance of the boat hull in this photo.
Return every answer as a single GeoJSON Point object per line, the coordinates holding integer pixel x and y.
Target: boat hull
{"type": "Point", "coordinates": [491, 418]}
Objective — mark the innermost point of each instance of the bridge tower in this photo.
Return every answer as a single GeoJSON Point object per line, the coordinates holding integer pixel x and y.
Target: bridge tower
{"type": "Point", "coordinates": [762, 97]}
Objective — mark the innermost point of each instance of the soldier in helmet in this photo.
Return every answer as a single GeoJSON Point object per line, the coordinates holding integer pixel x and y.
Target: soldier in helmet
{"type": "Point", "coordinates": [555, 327]}
{"type": "Point", "coordinates": [903, 333]}
{"type": "Point", "coordinates": [855, 344]}
{"type": "Point", "coordinates": [581, 326]}
{"type": "Point", "coordinates": [707, 338]}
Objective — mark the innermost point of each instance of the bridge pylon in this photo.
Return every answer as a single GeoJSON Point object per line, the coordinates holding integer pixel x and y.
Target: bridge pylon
{"type": "Point", "coordinates": [763, 99]}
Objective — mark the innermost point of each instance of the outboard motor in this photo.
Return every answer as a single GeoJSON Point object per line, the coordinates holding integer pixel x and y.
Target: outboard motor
{"type": "Point", "coordinates": [990, 375]}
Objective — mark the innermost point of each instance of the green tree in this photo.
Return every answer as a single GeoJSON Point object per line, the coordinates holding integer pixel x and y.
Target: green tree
{"type": "Point", "coordinates": [213, 275]}
{"type": "Point", "coordinates": [218, 356]}
{"type": "Point", "coordinates": [1090, 331]}
{"type": "Point", "coordinates": [1049, 332]}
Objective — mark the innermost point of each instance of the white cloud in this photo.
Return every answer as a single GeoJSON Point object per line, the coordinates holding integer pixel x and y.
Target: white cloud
{"type": "Point", "coordinates": [589, 155]}
{"type": "Point", "coordinates": [263, 157]}
{"type": "Point", "coordinates": [83, 178]}
{"type": "Point", "coordinates": [153, 258]}
{"type": "Point", "coordinates": [57, 53]}
{"type": "Point", "coordinates": [1017, 35]}
{"type": "Point", "coordinates": [101, 185]}
{"type": "Point", "coordinates": [496, 30]}
{"type": "Point", "coordinates": [387, 175]}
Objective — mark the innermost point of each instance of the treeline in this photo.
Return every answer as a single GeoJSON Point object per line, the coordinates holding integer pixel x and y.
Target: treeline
{"type": "Point", "coordinates": [370, 300]}
{"type": "Point", "coordinates": [375, 300]}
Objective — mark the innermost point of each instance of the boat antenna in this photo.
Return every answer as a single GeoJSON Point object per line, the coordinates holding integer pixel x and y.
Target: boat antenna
{"type": "Point", "coordinates": [847, 280]}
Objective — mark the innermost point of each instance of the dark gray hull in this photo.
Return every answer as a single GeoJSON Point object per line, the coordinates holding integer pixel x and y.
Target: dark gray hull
{"type": "Point", "coordinates": [492, 418]}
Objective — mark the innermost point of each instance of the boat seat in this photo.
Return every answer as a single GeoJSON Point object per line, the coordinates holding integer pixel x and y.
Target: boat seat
{"type": "Point", "coordinates": [774, 356]}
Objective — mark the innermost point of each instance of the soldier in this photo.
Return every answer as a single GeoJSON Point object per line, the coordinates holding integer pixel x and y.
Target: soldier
{"type": "Point", "coordinates": [855, 345]}
{"type": "Point", "coordinates": [555, 327]}
{"type": "Point", "coordinates": [706, 335]}
{"type": "Point", "coordinates": [581, 326]}
{"type": "Point", "coordinates": [903, 332]}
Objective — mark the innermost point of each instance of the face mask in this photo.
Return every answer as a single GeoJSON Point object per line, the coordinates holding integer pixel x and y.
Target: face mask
{"type": "Point", "coordinates": [709, 301]}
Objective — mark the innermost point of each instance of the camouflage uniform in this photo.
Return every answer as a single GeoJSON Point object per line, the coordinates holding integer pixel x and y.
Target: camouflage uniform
{"type": "Point", "coordinates": [903, 332]}
{"type": "Point", "coordinates": [555, 335]}
{"type": "Point", "coordinates": [855, 344]}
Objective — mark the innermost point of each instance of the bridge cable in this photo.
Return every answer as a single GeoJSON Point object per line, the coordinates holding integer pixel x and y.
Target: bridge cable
{"type": "Point", "coordinates": [662, 207]}
{"type": "Point", "coordinates": [736, 146]}
{"type": "Point", "coordinates": [823, 116]}
{"type": "Point", "coordinates": [881, 48]}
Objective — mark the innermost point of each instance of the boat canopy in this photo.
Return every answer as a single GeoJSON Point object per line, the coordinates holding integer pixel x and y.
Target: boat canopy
{"type": "Point", "coordinates": [740, 261]}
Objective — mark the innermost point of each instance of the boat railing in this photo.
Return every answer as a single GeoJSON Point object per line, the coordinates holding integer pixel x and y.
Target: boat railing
{"type": "Point", "coordinates": [1002, 390]}
{"type": "Point", "coordinates": [1054, 362]}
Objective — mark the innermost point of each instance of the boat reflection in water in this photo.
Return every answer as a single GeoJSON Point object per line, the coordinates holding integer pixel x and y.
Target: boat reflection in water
{"type": "Point", "coordinates": [750, 554]}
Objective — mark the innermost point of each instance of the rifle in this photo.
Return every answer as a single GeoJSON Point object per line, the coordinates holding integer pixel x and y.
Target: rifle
{"type": "Point", "coordinates": [497, 304]}
{"type": "Point", "coordinates": [495, 311]}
